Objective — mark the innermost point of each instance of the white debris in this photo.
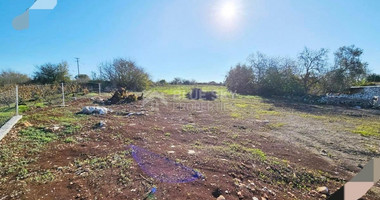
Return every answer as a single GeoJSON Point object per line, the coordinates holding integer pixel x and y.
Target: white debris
{"type": "Point", "coordinates": [191, 152]}
{"type": "Point", "coordinates": [95, 110]}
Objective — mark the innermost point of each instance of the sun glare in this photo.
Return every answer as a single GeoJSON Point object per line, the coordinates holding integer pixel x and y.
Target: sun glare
{"type": "Point", "coordinates": [228, 10]}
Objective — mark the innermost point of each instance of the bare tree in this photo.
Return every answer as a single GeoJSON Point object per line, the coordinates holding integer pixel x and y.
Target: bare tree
{"type": "Point", "coordinates": [312, 64]}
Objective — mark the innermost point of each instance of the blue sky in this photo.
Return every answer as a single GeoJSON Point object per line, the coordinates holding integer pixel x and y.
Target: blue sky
{"type": "Point", "coordinates": [184, 38]}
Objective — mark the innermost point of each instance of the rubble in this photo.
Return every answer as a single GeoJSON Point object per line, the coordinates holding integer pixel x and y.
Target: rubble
{"type": "Point", "coordinates": [365, 97]}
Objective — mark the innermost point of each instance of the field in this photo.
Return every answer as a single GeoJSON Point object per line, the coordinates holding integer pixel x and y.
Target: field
{"type": "Point", "coordinates": [244, 147]}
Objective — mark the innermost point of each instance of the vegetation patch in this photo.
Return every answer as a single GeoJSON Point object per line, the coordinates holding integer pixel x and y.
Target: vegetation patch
{"type": "Point", "coordinates": [97, 165]}
{"type": "Point", "coordinates": [37, 135]}
{"type": "Point", "coordinates": [189, 128]}
{"type": "Point", "coordinates": [6, 113]}
{"type": "Point", "coordinates": [253, 151]}
{"type": "Point", "coordinates": [369, 129]}
{"type": "Point", "coordinates": [44, 177]}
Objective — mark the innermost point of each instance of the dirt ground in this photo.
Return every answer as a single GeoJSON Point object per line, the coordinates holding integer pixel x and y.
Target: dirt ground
{"type": "Point", "coordinates": [244, 147]}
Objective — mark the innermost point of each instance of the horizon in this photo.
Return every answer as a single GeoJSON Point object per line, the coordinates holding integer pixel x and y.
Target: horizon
{"type": "Point", "coordinates": [188, 39]}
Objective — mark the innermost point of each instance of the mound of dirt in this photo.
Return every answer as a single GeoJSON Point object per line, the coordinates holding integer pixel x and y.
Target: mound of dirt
{"type": "Point", "coordinates": [123, 96]}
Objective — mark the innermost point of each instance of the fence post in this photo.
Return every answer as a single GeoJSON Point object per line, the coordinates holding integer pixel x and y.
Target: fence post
{"type": "Point", "coordinates": [100, 88]}
{"type": "Point", "coordinates": [63, 95]}
{"type": "Point", "coordinates": [16, 100]}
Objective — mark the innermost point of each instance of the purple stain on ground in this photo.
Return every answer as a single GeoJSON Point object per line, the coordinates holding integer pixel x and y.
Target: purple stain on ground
{"type": "Point", "coordinates": [162, 168]}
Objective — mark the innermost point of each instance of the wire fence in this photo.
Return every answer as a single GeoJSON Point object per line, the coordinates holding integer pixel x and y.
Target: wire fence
{"type": "Point", "coordinates": [15, 100]}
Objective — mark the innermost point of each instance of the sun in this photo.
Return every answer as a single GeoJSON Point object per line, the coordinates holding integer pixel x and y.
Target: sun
{"type": "Point", "coordinates": [228, 10]}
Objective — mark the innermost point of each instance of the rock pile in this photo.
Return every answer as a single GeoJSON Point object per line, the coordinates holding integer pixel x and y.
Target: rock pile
{"type": "Point", "coordinates": [367, 97]}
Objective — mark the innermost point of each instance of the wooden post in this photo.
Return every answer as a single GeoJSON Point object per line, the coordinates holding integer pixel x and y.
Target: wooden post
{"type": "Point", "coordinates": [63, 95]}
{"type": "Point", "coordinates": [16, 99]}
{"type": "Point", "coordinates": [100, 89]}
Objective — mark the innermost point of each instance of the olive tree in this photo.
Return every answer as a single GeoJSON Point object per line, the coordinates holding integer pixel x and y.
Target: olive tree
{"type": "Point", "coordinates": [52, 73]}
{"type": "Point", "coordinates": [240, 79]}
{"type": "Point", "coordinates": [125, 73]}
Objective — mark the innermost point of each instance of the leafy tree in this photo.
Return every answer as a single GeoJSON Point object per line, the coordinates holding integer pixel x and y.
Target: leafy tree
{"type": "Point", "coordinates": [12, 77]}
{"type": "Point", "coordinates": [312, 65]}
{"type": "Point", "coordinates": [240, 79]}
{"type": "Point", "coordinates": [125, 73]}
{"type": "Point", "coordinates": [176, 81]}
{"type": "Point", "coordinates": [373, 78]}
{"type": "Point", "coordinates": [82, 78]}
{"type": "Point", "coordinates": [348, 69]}
{"type": "Point", "coordinates": [161, 82]}
{"type": "Point", "coordinates": [52, 73]}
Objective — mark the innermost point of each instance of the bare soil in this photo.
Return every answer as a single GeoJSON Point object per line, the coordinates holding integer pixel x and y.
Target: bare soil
{"type": "Point", "coordinates": [300, 153]}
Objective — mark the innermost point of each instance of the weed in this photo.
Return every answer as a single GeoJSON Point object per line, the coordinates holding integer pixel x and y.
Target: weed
{"type": "Point", "coordinates": [167, 134]}
{"type": "Point", "coordinates": [275, 125]}
{"type": "Point", "coordinates": [368, 130]}
{"type": "Point", "coordinates": [189, 128]}
{"type": "Point", "coordinates": [69, 140]}
{"type": "Point", "coordinates": [236, 115]}
{"type": "Point", "coordinates": [37, 135]}
{"type": "Point", "coordinates": [23, 108]}
{"type": "Point", "coordinates": [44, 177]}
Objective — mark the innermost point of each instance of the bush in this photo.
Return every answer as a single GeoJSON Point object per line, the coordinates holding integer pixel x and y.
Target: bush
{"type": "Point", "coordinates": [52, 73]}
{"type": "Point", "coordinates": [240, 79]}
{"type": "Point", "coordinates": [126, 74]}
{"type": "Point", "coordinates": [10, 77]}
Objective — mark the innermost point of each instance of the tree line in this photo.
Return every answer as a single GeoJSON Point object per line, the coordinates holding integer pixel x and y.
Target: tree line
{"type": "Point", "coordinates": [118, 73]}
{"type": "Point", "coordinates": [310, 73]}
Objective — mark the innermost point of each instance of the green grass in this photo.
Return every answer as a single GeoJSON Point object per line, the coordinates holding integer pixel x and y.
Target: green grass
{"type": "Point", "coordinates": [44, 177]}
{"type": "Point", "coordinates": [117, 160]}
{"type": "Point", "coordinates": [368, 129]}
{"type": "Point", "coordinates": [23, 108]}
{"type": "Point", "coordinates": [189, 128]}
{"type": "Point", "coordinates": [257, 153]}
{"type": "Point", "coordinates": [167, 134]}
{"type": "Point", "coordinates": [6, 113]}
{"type": "Point", "coordinates": [181, 90]}
{"type": "Point", "coordinates": [69, 140]}
{"type": "Point", "coordinates": [236, 115]}
{"type": "Point", "coordinates": [276, 125]}
{"type": "Point", "coordinates": [37, 135]}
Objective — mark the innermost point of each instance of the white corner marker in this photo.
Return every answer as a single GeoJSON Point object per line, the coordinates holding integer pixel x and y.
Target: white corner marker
{"type": "Point", "coordinates": [21, 22]}
{"type": "Point", "coordinates": [44, 4]}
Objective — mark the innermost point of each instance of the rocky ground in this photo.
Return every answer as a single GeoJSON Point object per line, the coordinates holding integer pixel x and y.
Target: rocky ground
{"type": "Point", "coordinates": [245, 147]}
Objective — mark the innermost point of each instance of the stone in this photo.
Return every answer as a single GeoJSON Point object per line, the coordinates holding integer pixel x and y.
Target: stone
{"type": "Point", "coordinates": [53, 128]}
{"type": "Point", "coordinates": [191, 152]}
{"type": "Point", "coordinates": [171, 152]}
{"type": "Point", "coordinates": [221, 197]}
{"type": "Point", "coordinates": [323, 190]}
{"type": "Point", "coordinates": [27, 124]}
{"type": "Point", "coordinates": [101, 124]}
{"type": "Point", "coordinates": [255, 198]}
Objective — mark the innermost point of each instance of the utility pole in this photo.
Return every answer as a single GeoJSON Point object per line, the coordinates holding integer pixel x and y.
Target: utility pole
{"type": "Point", "coordinates": [77, 66]}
